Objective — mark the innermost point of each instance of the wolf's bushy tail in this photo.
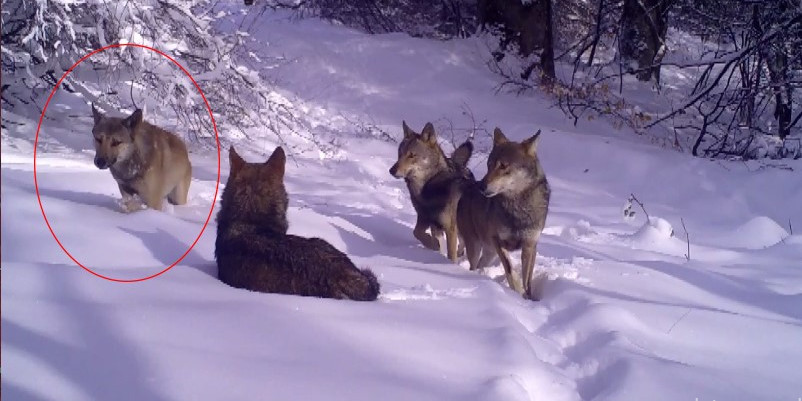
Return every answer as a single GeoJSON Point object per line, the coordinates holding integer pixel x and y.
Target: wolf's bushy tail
{"type": "Point", "coordinates": [361, 285]}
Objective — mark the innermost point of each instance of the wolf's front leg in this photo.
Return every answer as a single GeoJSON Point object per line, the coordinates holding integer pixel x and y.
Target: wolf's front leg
{"type": "Point", "coordinates": [438, 235]}
{"type": "Point", "coordinates": [154, 200]}
{"type": "Point", "coordinates": [427, 240]}
{"type": "Point", "coordinates": [129, 202]}
{"type": "Point", "coordinates": [507, 263]}
{"type": "Point", "coordinates": [528, 254]}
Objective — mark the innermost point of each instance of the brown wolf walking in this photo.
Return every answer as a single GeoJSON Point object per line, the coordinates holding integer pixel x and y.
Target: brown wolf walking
{"type": "Point", "coordinates": [507, 209]}
{"type": "Point", "coordinates": [435, 184]}
{"type": "Point", "coordinates": [254, 251]}
{"type": "Point", "coordinates": [144, 159]}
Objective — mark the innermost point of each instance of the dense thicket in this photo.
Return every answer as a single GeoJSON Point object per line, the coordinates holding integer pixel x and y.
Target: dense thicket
{"type": "Point", "coordinates": [752, 75]}
{"type": "Point", "coordinates": [745, 101]}
{"type": "Point", "coordinates": [424, 18]}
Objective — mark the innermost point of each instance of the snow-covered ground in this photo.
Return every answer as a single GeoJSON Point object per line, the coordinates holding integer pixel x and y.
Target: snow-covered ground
{"type": "Point", "coordinates": [625, 315]}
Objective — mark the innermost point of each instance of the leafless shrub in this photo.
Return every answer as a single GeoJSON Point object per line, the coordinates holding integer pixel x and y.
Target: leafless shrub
{"type": "Point", "coordinates": [41, 39]}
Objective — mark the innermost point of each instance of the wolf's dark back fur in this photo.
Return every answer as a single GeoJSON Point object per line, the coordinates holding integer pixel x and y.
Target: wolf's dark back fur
{"type": "Point", "coordinates": [430, 199]}
{"type": "Point", "coordinates": [515, 213]}
{"type": "Point", "coordinates": [253, 250]}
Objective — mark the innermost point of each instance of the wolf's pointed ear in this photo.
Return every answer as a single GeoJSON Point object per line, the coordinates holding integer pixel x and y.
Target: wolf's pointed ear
{"type": "Point", "coordinates": [428, 134]}
{"type": "Point", "coordinates": [530, 145]}
{"type": "Point", "coordinates": [498, 137]}
{"type": "Point", "coordinates": [407, 131]}
{"type": "Point", "coordinates": [133, 120]}
{"type": "Point", "coordinates": [275, 164]}
{"type": "Point", "coordinates": [462, 154]}
{"type": "Point", "coordinates": [96, 114]}
{"type": "Point", "coordinates": [234, 160]}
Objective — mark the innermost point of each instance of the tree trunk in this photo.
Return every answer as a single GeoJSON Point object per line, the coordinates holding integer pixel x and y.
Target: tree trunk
{"type": "Point", "coordinates": [643, 32]}
{"type": "Point", "coordinates": [775, 54]}
{"type": "Point", "coordinates": [547, 55]}
{"type": "Point", "coordinates": [527, 25]}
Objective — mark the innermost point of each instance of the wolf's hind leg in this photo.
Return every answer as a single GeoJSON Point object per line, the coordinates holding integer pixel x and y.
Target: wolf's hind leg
{"type": "Point", "coordinates": [488, 254]}
{"type": "Point", "coordinates": [472, 249]}
{"type": "Point", "coordinates": [451, 242]}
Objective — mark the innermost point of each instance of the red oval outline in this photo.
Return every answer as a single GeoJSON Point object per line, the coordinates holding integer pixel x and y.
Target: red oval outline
{"type": "Point", "coordinates": [36, 144]}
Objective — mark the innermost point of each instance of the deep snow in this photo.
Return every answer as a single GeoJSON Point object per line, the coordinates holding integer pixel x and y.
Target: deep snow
{"type": "Point", "coordinates": [625, 315]}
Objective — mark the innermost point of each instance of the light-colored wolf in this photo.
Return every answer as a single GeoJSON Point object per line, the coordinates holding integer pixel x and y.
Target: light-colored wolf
{"type": "Point", "coordinates": [435, 184]}
{"type": "Point", "coordinates": [144, 159]}
{"type": "Point", "coordinates": [507, 209]}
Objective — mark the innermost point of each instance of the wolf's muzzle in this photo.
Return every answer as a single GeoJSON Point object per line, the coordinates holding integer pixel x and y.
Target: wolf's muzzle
{"type": "Point", "coordinates": [102, 163]}
{"type": "Point", "coordinates": [394, 171]}
{"type": "Point", "coordinates": [483, 189]}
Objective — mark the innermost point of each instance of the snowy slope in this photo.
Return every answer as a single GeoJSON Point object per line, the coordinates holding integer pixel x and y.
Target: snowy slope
{"type": "Point", "coordinates": [625, 315]}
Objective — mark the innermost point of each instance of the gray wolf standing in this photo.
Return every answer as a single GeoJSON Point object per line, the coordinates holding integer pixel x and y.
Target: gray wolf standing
{"type": "Point", "coordinates": [254, 251]}
{"type": "Point", "coordinates": [144, 159]}
{"type": "Point", "coordinates": [507, 209]}
{"type": "Point", "coordinates": [435, 185]}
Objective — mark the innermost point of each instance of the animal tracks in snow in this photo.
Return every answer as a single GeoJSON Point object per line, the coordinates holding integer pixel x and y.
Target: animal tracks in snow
{"type": "Point", "coordinates": [426, 292]}
{"type": "Point", "coordinates": [585, 356]}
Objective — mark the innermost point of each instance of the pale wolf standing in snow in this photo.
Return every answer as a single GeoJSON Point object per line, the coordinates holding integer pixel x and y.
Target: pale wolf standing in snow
{"type": "Point", "coordinates": [144, 159]}
{"type": "Point", "coordinates": [254, 251]}
{"type": "Point", "coordinates": [435, 184]}
{"type": "Point", "coordinates": [506, 210]}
